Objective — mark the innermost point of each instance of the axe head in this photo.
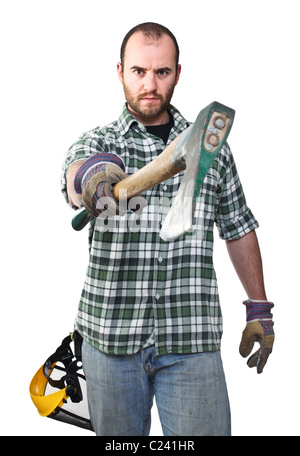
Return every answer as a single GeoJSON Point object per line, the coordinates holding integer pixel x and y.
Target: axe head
{"type": "Point", "coordinates": [196, 149]}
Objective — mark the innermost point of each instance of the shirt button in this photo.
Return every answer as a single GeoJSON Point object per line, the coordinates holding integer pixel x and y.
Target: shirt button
{"type": "Point", "coordinates": [160, 259]}
{"type": "Point", "coordinates": [165, 187]}
{"type": "Point", "coordinates": [157, 296]}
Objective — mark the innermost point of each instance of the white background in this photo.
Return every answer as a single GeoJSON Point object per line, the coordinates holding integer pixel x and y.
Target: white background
{"type": "Point", "coordinates": [58, 79]}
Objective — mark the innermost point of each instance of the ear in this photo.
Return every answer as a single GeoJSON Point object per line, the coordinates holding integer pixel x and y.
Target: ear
{"type": "Point", "coordinates": [120, 71]}
{"type": "Point", "coordinates": [178, 74]}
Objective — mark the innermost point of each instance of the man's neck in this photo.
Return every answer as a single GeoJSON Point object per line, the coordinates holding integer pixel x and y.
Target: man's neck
{"type": "Point", "coordinates": [161, 119]}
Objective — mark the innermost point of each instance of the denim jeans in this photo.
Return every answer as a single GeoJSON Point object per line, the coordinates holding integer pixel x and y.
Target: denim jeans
{"type": "Point", "coordinates": [190, 392]}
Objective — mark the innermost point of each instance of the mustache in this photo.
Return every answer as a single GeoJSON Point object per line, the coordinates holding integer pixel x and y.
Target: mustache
{"type": "Point", "coordinates": [149, 95]}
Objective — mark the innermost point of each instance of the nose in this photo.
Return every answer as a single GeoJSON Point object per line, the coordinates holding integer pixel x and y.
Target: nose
{"type": "Point", "coordinates": [150, 84]}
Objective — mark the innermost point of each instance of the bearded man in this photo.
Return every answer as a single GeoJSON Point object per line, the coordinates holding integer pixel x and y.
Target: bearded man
{"type": "Point", "coordinates": [149, 312]}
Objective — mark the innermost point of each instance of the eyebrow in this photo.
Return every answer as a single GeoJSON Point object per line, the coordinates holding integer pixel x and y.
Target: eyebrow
{"type": "Point", "coordinates": [135, 67]}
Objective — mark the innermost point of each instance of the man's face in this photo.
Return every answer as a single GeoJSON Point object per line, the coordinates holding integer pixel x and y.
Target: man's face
{"type": "Point", "coordinates": [149, 77]}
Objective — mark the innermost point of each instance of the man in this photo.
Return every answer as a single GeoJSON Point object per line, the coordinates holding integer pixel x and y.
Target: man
{"type": "Point", "coordinates": [149, 312]}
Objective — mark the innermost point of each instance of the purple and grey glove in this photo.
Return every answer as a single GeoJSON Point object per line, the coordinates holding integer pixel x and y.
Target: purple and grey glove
{"type": "Point", "coordinates": [259, 329]}
{"type": "Point", "coordinates": [95, 180]}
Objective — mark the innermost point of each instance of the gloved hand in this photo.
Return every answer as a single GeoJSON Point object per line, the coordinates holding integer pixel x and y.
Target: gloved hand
{"type": "Point", "coordinates": [259, 329]}
{"type": "Point", "coordinates": [95, 180]}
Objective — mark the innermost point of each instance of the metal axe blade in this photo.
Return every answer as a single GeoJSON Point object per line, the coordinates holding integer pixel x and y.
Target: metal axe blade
{"type": "Point", "coordinates": [198, 148]}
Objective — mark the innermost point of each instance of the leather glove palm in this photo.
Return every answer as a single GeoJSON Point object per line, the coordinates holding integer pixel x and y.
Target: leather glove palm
{"type": "Point", "coordinates": [259, 329]}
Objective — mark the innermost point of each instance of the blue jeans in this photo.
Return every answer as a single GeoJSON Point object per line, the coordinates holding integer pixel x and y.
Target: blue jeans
{"type": "Point", "coordinates": [190, 392]}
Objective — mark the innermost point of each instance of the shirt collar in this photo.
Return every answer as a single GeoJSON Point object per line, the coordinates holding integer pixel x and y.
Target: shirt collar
{"type": "Point", "coordinates": [127, 120]}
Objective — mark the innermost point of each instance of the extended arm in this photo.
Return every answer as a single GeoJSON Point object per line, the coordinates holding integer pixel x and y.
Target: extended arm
{"type": "Point", "coordinates": [74, 198]}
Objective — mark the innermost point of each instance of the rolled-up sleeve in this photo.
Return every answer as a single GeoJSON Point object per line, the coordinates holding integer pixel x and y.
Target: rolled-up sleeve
{"type": "Point", "coordinates": [233, 217]}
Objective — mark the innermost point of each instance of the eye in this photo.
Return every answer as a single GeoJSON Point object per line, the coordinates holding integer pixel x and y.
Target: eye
{"type": "Point", "coordinates": [139, 72]}
{"type": "Point", "coordinates": [163, 72]}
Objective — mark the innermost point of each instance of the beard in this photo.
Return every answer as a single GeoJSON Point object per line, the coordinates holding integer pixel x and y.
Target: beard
{"type": "Point", "coordinates": [148, 113]}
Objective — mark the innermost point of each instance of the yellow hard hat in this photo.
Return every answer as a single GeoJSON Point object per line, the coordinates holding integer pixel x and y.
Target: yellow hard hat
{"type": "Point", "coordinates": [50, 394]}
{"type": "Point", "coordinates": [45, 404]}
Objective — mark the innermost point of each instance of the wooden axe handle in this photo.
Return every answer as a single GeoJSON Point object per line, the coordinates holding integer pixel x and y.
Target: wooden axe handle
{"type": "Point", "coordinates": [155, 172]}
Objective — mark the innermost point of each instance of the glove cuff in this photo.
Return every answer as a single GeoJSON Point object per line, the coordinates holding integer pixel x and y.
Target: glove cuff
{"type": "Point", "coordinates": [258, 310]}
{"type": "Point", "coordinates": [93, 166]}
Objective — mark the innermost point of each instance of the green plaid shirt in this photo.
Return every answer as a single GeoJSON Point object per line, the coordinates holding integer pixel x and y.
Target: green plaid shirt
{"type": "Point", "coordinates": [140, 290]}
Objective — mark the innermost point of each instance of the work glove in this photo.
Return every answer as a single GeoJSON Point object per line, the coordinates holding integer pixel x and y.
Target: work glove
{"type": "Point", "coordinates": [95, 180]}
{"type": "Point", "coordinates": [259, 329]}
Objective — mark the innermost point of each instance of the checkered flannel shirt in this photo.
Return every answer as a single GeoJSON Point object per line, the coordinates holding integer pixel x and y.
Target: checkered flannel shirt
{"type": "Point", "coordinates": [140, 290]}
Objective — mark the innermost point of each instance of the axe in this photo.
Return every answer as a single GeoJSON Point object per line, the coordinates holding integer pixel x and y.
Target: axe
{"type": "Point", "coordinates": [193, 151]}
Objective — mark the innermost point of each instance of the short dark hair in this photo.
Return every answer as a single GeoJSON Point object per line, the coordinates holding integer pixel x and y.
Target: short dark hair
{"type": "Point", "coordinates": [150, 30]}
